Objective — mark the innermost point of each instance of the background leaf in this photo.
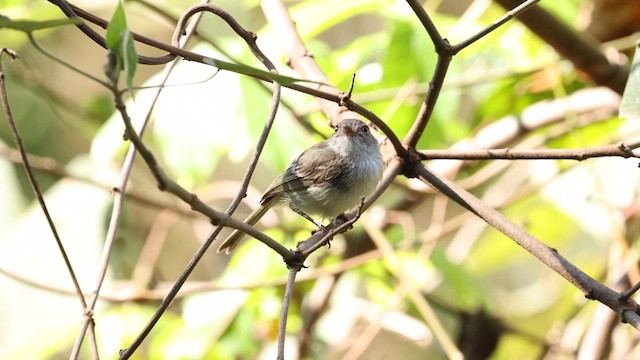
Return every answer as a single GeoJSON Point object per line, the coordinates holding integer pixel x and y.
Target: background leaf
{"type": "Point", "coordinates": [630, 106]}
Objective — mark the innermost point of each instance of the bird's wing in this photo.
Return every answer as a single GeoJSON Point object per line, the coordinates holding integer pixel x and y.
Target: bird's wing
{"type": "Point", "coordinates": [316, 165]}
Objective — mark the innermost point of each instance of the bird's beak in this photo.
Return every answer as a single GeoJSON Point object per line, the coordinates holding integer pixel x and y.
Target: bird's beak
{"type": "Point", "coordinates": [347, 130]}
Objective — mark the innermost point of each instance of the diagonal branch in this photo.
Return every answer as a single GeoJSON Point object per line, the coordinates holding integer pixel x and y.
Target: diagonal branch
{"type": "Point", "coordinates": [301, 60]}
{"type": "Point", "coordinates": [332, 96]}
{"type": "Point", "coordinates": [508, 16]}
{"type": "Point", "coordinates": [119, 196]}
{"type": "Point", "coordinates": [195, 203]}
{"type": "Point", "coordinates": [38, 194]}
{"type": "Point", "coordinates": [591, 288]}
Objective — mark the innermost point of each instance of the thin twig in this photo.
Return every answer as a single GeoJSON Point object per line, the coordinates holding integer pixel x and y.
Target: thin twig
{"type": "Point", "coordinates": [482, 33]}
{"type": "Point", "coordinates": [591, 288]}
{"type": "Point", "coordinates": [197, 205]}
{"type": "Point", "coordinates": [119, 195]}
{"type": "Point", "coordinates": [330, 94]}
{"type": "Point", "coordinates": [284, 315]}
{"type": "Point", "coordinates": [40, 198]}
{"type": "Point", "coordinates": [580, 154]}
{"type": "Point", "coordinates": [624, 296]}
{"type": "Point", "coordinates": [347, 96]}
{"type": "Point", "coordinates": [69, 66]}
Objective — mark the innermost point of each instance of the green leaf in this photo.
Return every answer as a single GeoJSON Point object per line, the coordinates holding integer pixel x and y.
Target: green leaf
{"type": "Point", "coordinates": [29, 26]}
{"type": "Point", "coordinates": [120, 42]}
{"type": "Point", "coordinates": [630, 106]}
{"type": "Point", "coordinates": [116, 28]}
{"type": "Point", "coordinates": [130, 58]}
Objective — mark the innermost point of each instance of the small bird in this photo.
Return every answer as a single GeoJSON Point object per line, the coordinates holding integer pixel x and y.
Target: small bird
{"type": "Point", "coordinates": [327, 179]}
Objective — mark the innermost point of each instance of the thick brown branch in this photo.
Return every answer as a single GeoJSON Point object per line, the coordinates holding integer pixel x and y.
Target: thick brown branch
{"type": "Point", "coordinates": [591, 288]}
{"type": "Point", "coordinates": [582, 52]}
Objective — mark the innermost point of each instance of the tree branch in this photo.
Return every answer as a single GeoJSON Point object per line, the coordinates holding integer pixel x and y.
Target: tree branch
{"type": "Point", "coordinates": [591, 288]}
{"type": "Point", "coordinates": [38, 194]}
{"type": "Point", "coordinates": [580, 154]}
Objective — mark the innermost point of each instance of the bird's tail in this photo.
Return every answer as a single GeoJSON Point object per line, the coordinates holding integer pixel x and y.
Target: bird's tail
{"type": "Point", "coordinates": [231, 242]}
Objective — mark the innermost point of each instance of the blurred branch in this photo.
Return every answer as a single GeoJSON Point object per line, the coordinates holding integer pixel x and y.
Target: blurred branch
{"type": "Point", "coordinates": [52, 166]}
{"type": "Point", "coordinates": [317, 304]}
{"type": "Point", "coordinates": [128, 291]}
{"type": "Point", "coordinates": [582, 52]}
{"type": "Point", "coordinates": [300, 59]}
{"type": "Point", "coordinates": [38, 194]}
{"type": "Point", "coordinates": [142, 274]}
{"type": "Point", "coordinates": [424, 308]}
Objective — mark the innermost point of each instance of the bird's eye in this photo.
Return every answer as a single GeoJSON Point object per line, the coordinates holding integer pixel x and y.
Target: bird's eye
{"type": "Point", "coordinates": [365, 129]}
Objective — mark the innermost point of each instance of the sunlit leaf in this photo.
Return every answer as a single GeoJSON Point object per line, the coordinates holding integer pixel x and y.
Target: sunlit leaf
{"type": "Point", "coordinates": [116, 28]}
{"type": "Point", "coordinates": [314, 17]}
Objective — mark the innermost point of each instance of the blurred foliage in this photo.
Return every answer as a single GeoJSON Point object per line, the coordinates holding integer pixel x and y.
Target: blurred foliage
{"type": "Point", "coordinates": [205, 126]}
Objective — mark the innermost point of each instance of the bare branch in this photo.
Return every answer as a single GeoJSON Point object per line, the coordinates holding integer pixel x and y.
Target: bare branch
{"type": "Point", "coordinates": [508, 16]}
{"type": "Point", "coordinates": [438, 41]}
{"type": "Point", "coordinates": [170, 185]}
{"type": "Point", "coordinates": [617, 150]}
{"type": "Point", "coordinates": [445, 53]}
{"type": "Point", "coordinates": [284, 315]}
{"type": "Point", "coordinates": [591, 288]}
{"type": "Point", "coordinates": [38, 194]}
{"type": "Point", "coordinates": [119, 195]}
